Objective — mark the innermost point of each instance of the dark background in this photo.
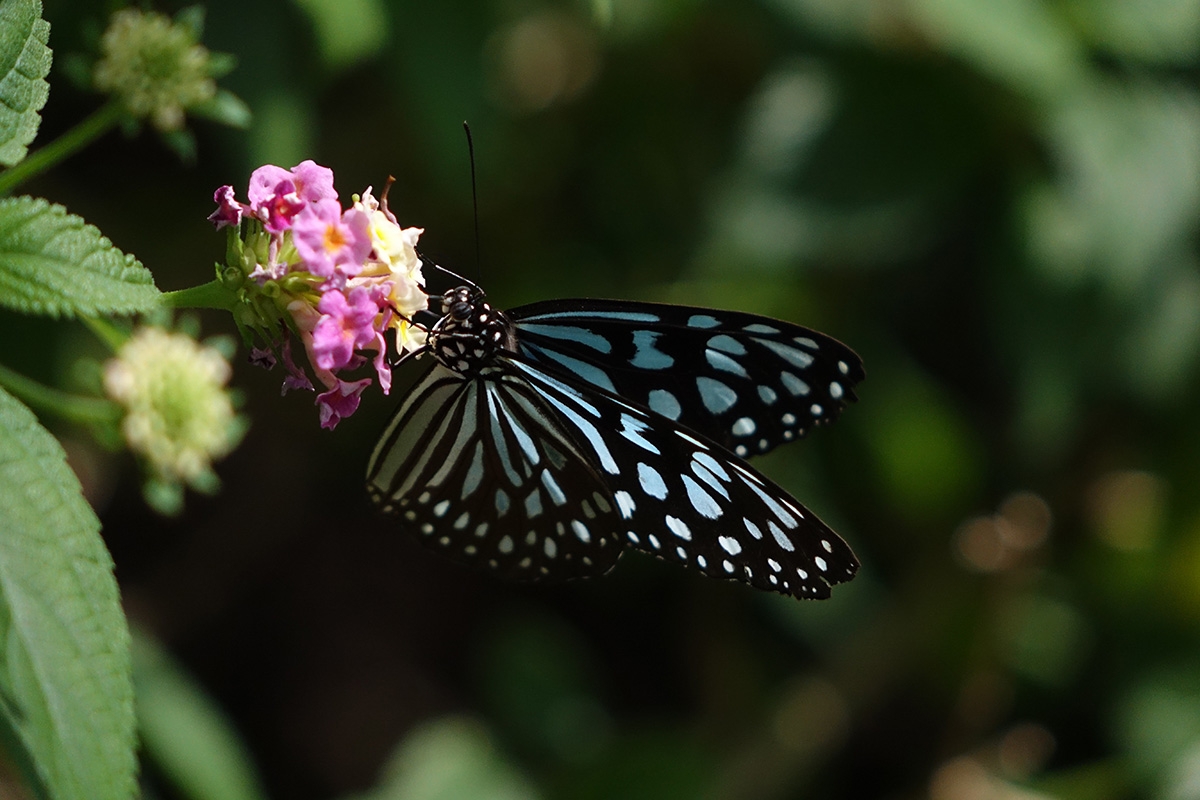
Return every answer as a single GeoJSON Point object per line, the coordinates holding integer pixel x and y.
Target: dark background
{"type": "Point", "coordinates": [995, 204]}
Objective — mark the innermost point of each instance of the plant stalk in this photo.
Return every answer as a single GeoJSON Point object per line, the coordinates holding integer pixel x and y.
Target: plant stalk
{"type": "Point", "coordinates": [213, 294]}
{"type": "Point", "coordinates": [81, 410]}
{"type": "Point", "coordinates": [88, 130]}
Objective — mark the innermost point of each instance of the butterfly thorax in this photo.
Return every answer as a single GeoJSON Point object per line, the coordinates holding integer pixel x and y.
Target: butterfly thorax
{"type": "Point", "coordinates": [470, 331]}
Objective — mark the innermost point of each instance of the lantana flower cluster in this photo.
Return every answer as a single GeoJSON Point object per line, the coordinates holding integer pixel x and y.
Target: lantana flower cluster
{"type": "Point", "coordinates": [333, 279]}
{"type": "Point", "coordinates": [155, 67]}
{"type": "Point", "coordinates": [179, 415]}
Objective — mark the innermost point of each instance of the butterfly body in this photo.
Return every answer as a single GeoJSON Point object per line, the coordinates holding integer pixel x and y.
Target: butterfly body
{"type": "Point", "coordinates": [469, 332]}
{"type": "Point", "coordinates": [545, 441]}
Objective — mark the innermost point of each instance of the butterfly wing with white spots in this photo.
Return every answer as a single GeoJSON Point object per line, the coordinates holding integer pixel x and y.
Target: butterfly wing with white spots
{"type": "Point", "coordinates": [543, 443]}
{"type": "Point", "coordinates": [687, 499]}
{"type": "Point", "coordinates": [483, 471]}
{"type": "Point", "coordinates": [748, 382]}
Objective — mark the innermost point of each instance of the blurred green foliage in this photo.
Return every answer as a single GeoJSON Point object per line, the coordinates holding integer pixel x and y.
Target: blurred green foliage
{"type": "Point", "coordinates": [994, 203]}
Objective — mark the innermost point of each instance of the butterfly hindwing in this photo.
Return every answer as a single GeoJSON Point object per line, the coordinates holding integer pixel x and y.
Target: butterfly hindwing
{"type": "Point", "coordinates": [482, 471]}
{"type": "Point", "coordinates": [546, 440]}
{"type": "Point", "coordinates": [748, 382]}
{"type": "Point", "coordinates": [686, 499]}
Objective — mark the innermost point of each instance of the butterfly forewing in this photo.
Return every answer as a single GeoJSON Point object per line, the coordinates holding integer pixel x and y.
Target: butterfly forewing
{"type": "Point", "coordinates": [687, 499]}
{"type": "Point", "coordinates": [748, 382]}
{"type": "Point", "coordinates": [543, 442]}
{"type": "Point", "coordinates": [484, 472]}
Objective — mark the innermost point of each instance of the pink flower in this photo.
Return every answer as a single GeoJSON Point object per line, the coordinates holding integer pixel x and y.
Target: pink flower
{"type": "Point", "coordinates": [229, 210]}
{"type": "Point", "coordinates": [262, 357]}
{"type": "Point", "coordinates": [295, 377]}
{"type": "Point", "coordinates": [325, 282]}
{"type": "Point", "coordinates": [346, 324]}
{"type": "Point", "coordinates": [313, 182]}
{"type": "Point", "coordinates": [332, 244]}
{"type": "Point", "coordinates": [340, 402]}
{"type": "Point", "coordinates": [382, 368]}
{"type": "Point", "coordinates": [266, 182]}
{"type": "Point", "coordinates": [277, 211]}
{"type": "Point", "coordinates": [277, 195]}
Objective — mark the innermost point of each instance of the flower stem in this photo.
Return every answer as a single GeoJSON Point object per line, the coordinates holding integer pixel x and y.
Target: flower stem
{"type": "Point", "coordinates": [92, 127]}
{"type": "Point", "coordinates": [82, 410]}
{"type": "Point", "coordinates": [106, 332]}
{"type": "Point", "coordinates": [213, 294]}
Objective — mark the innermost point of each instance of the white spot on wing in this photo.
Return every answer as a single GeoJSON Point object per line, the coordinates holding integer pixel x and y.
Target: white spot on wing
{"type": "Point", "coordinates": [716, 396]}
{"type": "Point", "coordinates": [663, 402]}
{"type": "Point", "coordinates": [652, 482]}
{"type": "Point", "coordinates": [679, 528]}
{"type": "Point", "coordinates": [625, 503]}
{"type": "Point", "coordinates": [795, 385]}
{"type": "Point", "coordinates": [780, 537]}
{"type": "Point", "coordinates": [743, 426]}
{"type": "Point", "coordinates": [631, 429]}
{"type": "Point", "coordinates": [724, 363]}
{"type": "Point", "coordinates": [758, 327]}
{"type": "Point", "coordinates": [701, 500]}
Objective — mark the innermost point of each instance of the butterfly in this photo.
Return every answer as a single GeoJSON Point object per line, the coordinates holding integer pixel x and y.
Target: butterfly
{"type": "Point", "coordinates": [544, 441]}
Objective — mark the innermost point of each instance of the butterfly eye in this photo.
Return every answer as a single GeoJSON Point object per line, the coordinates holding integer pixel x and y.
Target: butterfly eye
{"type": "Point", "coordinates": [460, 310]}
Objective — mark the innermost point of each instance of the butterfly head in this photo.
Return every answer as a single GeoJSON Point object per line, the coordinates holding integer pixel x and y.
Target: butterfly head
{"type": "Point", "coordinates": [470, 331]}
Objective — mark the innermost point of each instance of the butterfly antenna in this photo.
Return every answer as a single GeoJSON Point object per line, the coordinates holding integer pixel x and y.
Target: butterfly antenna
{"type": "Point", "coordinates": [474, 195]}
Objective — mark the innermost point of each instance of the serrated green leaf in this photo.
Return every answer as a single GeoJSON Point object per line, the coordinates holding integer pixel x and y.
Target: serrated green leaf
{"type": "Point", "coordinates": [65, 686]}
{"type": "Point", "coordinates": [54, 263]}
{"type": "Point", "coordinates": [24, 65]}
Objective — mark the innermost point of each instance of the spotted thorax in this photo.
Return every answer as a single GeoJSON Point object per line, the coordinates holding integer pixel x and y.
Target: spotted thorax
{"type": "Point", "coordinates": [335, 279]}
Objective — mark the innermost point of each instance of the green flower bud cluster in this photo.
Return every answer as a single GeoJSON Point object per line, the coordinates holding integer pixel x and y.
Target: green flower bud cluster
{"type": "Point", "coordinates": [154, 67]}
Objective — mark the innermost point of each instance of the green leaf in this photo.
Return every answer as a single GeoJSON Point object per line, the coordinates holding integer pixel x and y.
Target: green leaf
{"type": "Point", "coordinates": [347, 31]}
{"type": "Point", "coordinates": [1026, 44]}
{"type": "Point", "coordinates": [185, 733]}
{"type": "Point", "coordinates": [1157, 31]}
{"type": "Point", "coordinates": [66, 693]}
{"type": "Point", "coordinates": [226, 108]}
{"type": "Point", "coordinates": [192, 18]}
{"type": "Point", "coordinates": [24, 64]}
{"type": "Point", "coordinates": [54, 263]}
{"type": "Point", "coordinates": [452, 758]}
